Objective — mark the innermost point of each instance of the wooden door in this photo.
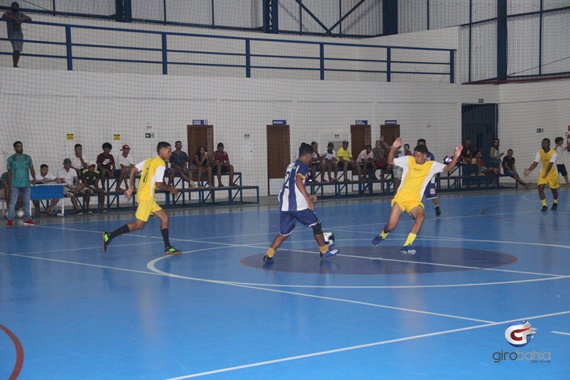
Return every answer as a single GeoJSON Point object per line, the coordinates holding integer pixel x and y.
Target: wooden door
{"type": "Point", "coordinates": [360, 136]}
{"type": "Point", "coordinates": [200, 135]}
{"type": "Point", "coordinates": [278, 156]}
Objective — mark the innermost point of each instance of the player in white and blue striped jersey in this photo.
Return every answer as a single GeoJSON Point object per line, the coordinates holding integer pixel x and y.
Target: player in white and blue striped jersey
{"type": "Point", "coordinates": [297, 205]}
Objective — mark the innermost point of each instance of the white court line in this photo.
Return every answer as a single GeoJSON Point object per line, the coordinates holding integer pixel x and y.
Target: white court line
{"type": "Point", "coordinates": [561, 333]}
{"type": "Point", "coordinates": [350, 348]}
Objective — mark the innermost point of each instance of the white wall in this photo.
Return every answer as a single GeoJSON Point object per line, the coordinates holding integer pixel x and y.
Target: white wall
{"type": "Point", "coordinates": [43, 106]}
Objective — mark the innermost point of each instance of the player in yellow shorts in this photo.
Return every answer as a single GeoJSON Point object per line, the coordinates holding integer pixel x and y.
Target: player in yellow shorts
{"type": "Point", "coordinates": [548, 175]}
{"type": "Point", "coordinates": [152, 177]}
{"type": "Point", "coordinates": [416, 176]}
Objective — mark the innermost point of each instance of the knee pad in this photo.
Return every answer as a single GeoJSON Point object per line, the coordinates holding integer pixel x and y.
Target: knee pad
{"type": "Point", "coordinates": [317, 229]}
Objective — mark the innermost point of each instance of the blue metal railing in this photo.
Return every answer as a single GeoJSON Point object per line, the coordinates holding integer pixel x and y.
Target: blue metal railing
{"type": "Point", "coordinates": [246, 46]}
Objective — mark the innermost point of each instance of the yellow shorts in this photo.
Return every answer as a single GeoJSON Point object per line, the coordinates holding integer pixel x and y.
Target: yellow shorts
{"type": "Point", "coordinates": [550, 181]}
{"type": "Point", "coordinates": [146, 209]}
{"type": "Point", "coordinates": [406, 205]}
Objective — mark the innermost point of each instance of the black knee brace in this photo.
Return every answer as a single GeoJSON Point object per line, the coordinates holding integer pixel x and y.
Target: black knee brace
{"type": "Point", "coordinates": [317, 229]}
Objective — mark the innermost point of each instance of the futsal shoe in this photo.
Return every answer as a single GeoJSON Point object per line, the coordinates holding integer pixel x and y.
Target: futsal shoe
{"type": "Point", "coordinates": [437, 211]}
{"type": "Point", "coordinates": [9, 223]}
{"type": "Point", "coordinates": [268, 260]}
{"type": "Point", "coordinates": [554, 206]}
{"type": "Point", "coordinates": [544, 208]}
{"type": "Point", "coordinates": [377, 239]}
{"type": "Point", "coordinates": [172, 251]}
{"type": "Point", "coordinates": [29, 222]}
{"type": "Point", "coordinates": [407, 250]}
{"type": "Point", "coordinates": [329, 253]}
{"type": "Point", "coordinates": [106, 240]}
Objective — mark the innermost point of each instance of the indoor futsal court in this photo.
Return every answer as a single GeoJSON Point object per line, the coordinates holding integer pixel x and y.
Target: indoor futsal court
{"type": "Point", "coordinates": [70, 311]}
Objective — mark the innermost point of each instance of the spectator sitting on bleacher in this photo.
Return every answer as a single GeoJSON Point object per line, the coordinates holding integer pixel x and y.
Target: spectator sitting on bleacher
{"type": "Point", "coordinates": [468, 158]}
{"type": "Point", "coordinates": [178, 165]}
{"type": "Point", "coordinates": [488, 171]}
{"type": "Point", "coordinates": [124, 165]}
{"type": "Point", "coordinates": [365, 164]}
{"type": "Point", "coordinates": [396, 170]}
{"type": "Point", "coordinates": [201, 163]}
{"type": "Point", "coordinates": [68, 177]}
{"type": "Point", "coordinates": [381, 160]}
{"type": "Point", "coordinates": [345, 161]}
{"type": "Point", "coordinates": [316, 162]}
{"type": "Point", "coordinates": [90, 178]}
{"type": "Point", "coordinates": [106, 163]}
{"type": "Point", "coordinates": [221, 162]}
{"type": "Point", "coordinates": [45, 178]}
{"type": "Point", "coordinates": [78, 159]}
{"type": "Point", "coordinates": [407, 151]}
{"type": "Point", "coordinates": [330, 162]}
{"type": "Point", "coordinates": [510, 169]}
{"type": "Point", "coordinates": [495, 155]}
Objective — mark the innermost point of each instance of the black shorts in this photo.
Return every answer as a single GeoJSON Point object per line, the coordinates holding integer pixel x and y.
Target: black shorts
{"type": "Point", "coordinates": [562, 170]}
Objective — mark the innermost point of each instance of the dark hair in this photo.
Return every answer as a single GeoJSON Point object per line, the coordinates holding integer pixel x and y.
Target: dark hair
{"type": "Point", "coordinates": [198, 150]}
{"type": "Point", "coordinates": [220, 145]}
{"type": "Point", "coordinates": [558, 139]}
{"type": "Point", "coordinates": [17, 142]}
{"type": "Point", "coordinates": [314, 143]}
{"type": "Point", "coordinates": [407, 145]}
{"type": "Point", "coordinates": [421, 141]}
{"type": "Point", "coordinates": [67, 161]}
{"type": "Point", "coordinates": [77, 146]}
{"type": "Point", "coordinates": [305, 149]}
{"type": "Point", "coordinates": [177, 141]}
{"type": "Point", "coordinates": [330, 144]}
{"type": "Point", "coordinates": [510, 150]}
{"type": "Point", "coordinates": [421, 148]}
{"type": "Point", "coordinates": [161, 145]}
{"type": "Point", "coordinates": [107, 145]}
{"type": "Point", "coordinates": [546, 139]}
{"type": "Point", "coordinates": [43, 166]}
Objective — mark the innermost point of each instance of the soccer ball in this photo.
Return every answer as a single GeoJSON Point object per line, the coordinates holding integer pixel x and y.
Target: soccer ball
{"type": "Point", "coordinates": [20, 213]}
{"type": "Point", "coordinates": [329, 238]}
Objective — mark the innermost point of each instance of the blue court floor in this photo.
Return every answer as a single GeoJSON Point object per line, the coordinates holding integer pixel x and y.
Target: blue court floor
{"type": "Point", "coordinates": [70, 311]}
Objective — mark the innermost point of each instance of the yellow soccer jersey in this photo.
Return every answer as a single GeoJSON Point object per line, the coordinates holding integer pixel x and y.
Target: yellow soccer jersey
{"type": "Point", "coordinates": [545, 159]}
{"type": "Point", "coordinates": [152, 172]}
{"type": "Point", "coordinates": [415, 177]}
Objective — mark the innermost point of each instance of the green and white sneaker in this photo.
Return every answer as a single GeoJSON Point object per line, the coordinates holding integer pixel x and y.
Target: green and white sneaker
{"type": "Point", "coordinates": [106, 240]}
{"type": "Point", "coordinates": [172, 251]}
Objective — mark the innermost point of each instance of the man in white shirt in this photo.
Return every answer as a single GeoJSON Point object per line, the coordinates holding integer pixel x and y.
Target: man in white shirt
{"type": "Point", "coordinates": [560, 158]}
{"type": "Point", "coordinates": [365, 163]}
{"type": "Point", "coordinates": [124, 165]}
{"type": "Point", "coordinates": [78, 159]}
{"type": "Point", "coordinates": [68, 176]}
{"type": "Point", "coordinates": [45, 178]}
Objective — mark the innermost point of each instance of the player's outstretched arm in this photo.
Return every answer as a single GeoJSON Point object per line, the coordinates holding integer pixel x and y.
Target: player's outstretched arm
{"type": "Point", "coordinates": [456, 155]}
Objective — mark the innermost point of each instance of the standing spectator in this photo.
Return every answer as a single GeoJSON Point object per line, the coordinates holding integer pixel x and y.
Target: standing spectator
{"type": "Point", "coordinates": [297, 205]}
{"type": "Point", "coordinates": [124, 165]}
{"type": "Point", "coordinates": [316, 162]}
{"type": "Point", "coordinates": [221, 161]}
{"type": "Point", "coordinates": [330, 162]}
{"type": "Point", "coordinates": [365, 164]}
{"type": "Point", "coordinates": [45, 178]}
{"type": "Point", "coordinates": [510, 169]}
{"type": "Point", "coordinates": [560, 158]}
{"type": "Point", "coordinates": [90, 178]}
{"type": "Point", "coordinates": [201, 163]}
{"type": "Point", "coordinates": [68, 176]}
{"type": "Point", "coordinates": [417, 174]}
{"type": "Point", "coordinates": [105, 163]}
{"type": "Point", "coordinates": [345, 161]}
{"type": "Point", "coordinates": [152, 177]}
{"type": "Point", "coordinates": [78, 160]}
{"type": "Point", "coordinates": [548, 175]}
{"type": "Point", "coordinates": [14, 24]}
{"type": "Point", "coordinates": [20, 166]}
{"type": "Point", "coordinates": [430, 192]}
{"type": "Point", "coordinates": [178, 165]}
{"type": "Point", "coordinates": [4, 190]}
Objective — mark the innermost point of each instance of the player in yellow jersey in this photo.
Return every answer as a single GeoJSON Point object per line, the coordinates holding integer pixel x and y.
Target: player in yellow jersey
{"type": "Point", "coordinates": [417, 174]}
{"type": "Point", "coordinates": [152, 177]}
{"type": "Point", "coordinates": [548, 174]}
